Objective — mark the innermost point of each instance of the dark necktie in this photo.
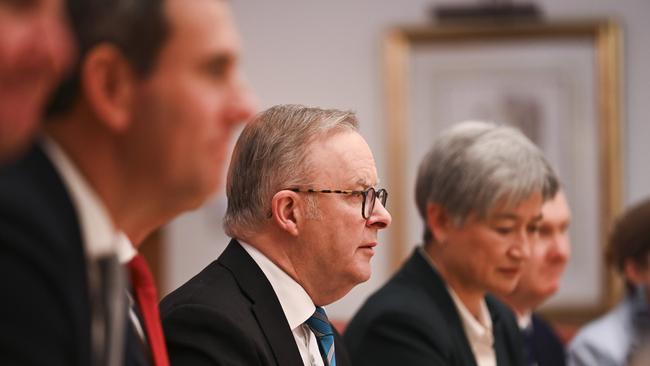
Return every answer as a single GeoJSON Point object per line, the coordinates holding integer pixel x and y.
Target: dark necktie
{"type": "Point", "coordinates": [147, 299]}
{"type": "Point", "coordinates": [320, 325]}
{"type": "Point", "coordinates": [529, 347]}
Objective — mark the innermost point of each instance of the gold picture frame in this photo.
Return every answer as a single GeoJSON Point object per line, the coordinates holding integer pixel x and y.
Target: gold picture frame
{"type": "Point", "coordinates": [601, 39]}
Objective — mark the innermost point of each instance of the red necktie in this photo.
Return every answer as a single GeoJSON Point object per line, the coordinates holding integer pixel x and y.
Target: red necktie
{"type": "Point", "coordinates": [145, 293]}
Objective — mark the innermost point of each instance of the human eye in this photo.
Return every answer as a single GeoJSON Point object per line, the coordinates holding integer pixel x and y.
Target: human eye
{"type": "Point", "coordinates": [533, 228]}
{"type": "Point", "coordinates": [219, 67]}
{"type": "Point", "coordinates": [544, 230]}
{"type": "Point", "coordinates": [564, 228]}
{"type": "Point", "coordinates": [503, 230]}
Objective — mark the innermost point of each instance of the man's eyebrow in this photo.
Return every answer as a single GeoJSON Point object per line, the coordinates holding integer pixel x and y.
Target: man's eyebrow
{"type": "Point", "coordinates": [364, 183]}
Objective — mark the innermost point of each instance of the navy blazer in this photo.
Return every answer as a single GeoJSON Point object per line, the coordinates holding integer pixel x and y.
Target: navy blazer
{"type": "Point", "coordinates": [413, 321]}
{"type": "Point", "coordinates": [228, 314]}
{"type": "Point", "coordinates": [544, 345]}
{"type": "Point", "coordinates": [45, 315]}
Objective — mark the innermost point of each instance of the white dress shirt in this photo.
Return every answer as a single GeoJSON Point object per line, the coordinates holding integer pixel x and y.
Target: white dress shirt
{"type": "Point", "coordinates": [525, 320]}
{"type": "Point", "coordinates": [101, 240]}
{"type": "Point", "coordinates": [296, 305]}
{"type": "Point", "coordinates": [98, 233]}
{"type": "Point", "coordinates": [478, 331]}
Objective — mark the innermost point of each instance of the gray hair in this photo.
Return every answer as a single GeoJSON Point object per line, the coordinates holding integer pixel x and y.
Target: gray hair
{"type": "Point", "coordinates": [272, 154]}
{"type": "Point", "coordinates": [474, 165]}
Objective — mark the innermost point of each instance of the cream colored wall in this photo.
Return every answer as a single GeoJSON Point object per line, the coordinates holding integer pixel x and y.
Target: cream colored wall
{"type": "Point", "coordinates": [328, 53]}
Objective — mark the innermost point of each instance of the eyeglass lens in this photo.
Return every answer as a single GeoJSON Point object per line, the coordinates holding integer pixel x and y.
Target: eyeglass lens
{"type": "Point", "coordinates": [371, 197]}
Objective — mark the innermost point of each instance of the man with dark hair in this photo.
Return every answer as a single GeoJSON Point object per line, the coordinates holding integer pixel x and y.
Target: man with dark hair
{"type": "Point", "coordinates": [622, 336]}
{"type": "Point", "coordinates": [35, 50]}
{"type": "Point", "coordinates": [137, 135]}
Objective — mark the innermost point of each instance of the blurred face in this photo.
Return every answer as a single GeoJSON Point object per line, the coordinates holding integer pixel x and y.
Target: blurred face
{"type": "Point", "coordinates": [188, 108]}
{"type": "Point", "coordinates": [339, 243]}
{"type": "Point", "coordinates": [488, 254]}
{"type": "Point", "coordinates": [550, 252]}
{"type": "Point", "coordinates": [35, 50]}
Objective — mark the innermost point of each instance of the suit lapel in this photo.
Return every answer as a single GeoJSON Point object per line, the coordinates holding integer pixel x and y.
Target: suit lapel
{"type": "Point", "coordinates": [266, 306]}
{"type": "Point", "coordinates": [419, 271]}
{"type": "Point", "coordinates": [508, 343]}
{"type": "Point", "coordinates": [342, 357]}
{"type": "Point", "coordinates": [56, 213]}
{"type": "Point", "coordinates": [499, 345]}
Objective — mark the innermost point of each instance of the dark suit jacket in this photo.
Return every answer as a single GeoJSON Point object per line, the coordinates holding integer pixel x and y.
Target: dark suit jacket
{"type": "Point", "coordinates": [545, 345]}
{"type": "Point", "coordinates": [44, 314]}
{"type": "Point", "coordinates": [413, 321]}
{"type": "Point", "coordinates": [229, 314]}
{"type": "Point", "coordinates": [45, 311]}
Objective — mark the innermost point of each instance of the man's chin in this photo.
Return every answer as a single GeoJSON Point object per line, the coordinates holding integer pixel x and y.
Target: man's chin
{"type": "Point", "coordinates": [550, 290]}
{"type": "Point", "coordinates": [363, 274]}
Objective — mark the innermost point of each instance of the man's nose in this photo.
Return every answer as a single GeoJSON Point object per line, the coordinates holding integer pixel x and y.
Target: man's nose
{"type": "Point", "coordinates": [380, 216]}
{"type": "Point", "coordinates": [243, 103]}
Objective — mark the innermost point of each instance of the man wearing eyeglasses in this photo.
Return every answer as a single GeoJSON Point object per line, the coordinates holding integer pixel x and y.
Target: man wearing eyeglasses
{"type": "Point", "coordinates": [304, 215]}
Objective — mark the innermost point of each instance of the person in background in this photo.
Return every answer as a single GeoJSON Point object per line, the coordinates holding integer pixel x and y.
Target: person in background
{"type": "Point", "coordinates": [539, 280]}
{"type": "Point", "coordinates": [621, 337]}
{"type": "Point", "coordinates": [137, 134]}
{"type": "Point", "coordinates": [479, 191]}
{"type": "Point", "coordinates": [304, 211]}
{"type": "Point", "coordinates": [35, 51]}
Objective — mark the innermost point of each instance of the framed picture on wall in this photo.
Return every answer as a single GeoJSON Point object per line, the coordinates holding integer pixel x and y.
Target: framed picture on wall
{"type": "Point", "coordinates": [558, 82]}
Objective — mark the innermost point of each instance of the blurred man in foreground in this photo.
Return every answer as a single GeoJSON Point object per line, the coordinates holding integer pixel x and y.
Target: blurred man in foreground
{"type": "Point", "coordinates": [539, 280]}
{"type": "Point", "coordinates": [479, 192]}
{"type": "Point", "coordinates": [35, 50]}
{"type": "Point", "coordinates": [622, 336]}
{"type": "Point", "coordinates": [304, 212]}
{"type": "Point", "coordinates": [137, 135]}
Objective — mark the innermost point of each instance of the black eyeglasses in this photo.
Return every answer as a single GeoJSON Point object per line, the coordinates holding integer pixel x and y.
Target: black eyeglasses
{"type": "Point", "coordinates": [370, 195]}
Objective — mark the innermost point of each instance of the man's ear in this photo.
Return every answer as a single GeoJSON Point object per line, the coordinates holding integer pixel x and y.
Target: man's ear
{"type": "Point", "coordinates": [108, 83]}
{"type": "Point", "coordinates": [286, 212]}
{"type": "Point", "coordinates": [635, 273]}
{"type": "Point", "coordinates": [438, 221]}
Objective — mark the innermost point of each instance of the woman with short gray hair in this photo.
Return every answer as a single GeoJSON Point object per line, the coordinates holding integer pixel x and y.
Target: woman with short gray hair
{"type": "Point", "coordinates": [479, 192]}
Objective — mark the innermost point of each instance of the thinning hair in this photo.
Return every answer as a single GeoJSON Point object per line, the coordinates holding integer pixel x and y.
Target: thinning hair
{"type": "Point", "coordinates": [474, 165]}
{"type": "Point", "coordinates": [272, 153]}
{"type": "Point", "coordinates": [138, 28]}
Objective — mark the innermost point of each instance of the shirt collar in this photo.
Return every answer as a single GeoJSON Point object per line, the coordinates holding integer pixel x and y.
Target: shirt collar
{"type": "Point", "coordinates": [294, 300]}
{"type": "Point", "coordinates": [124, 248]}
{"type": "Point", "coordinates": [477, 330]}
{"type": "Point", "coordinates": [525, 320]}
{"type": "Point", "coordinates": [100, 237]}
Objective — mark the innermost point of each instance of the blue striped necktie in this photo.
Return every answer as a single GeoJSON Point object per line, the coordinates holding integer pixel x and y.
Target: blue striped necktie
{"type": "Point", "coordinates": [321, 327]}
